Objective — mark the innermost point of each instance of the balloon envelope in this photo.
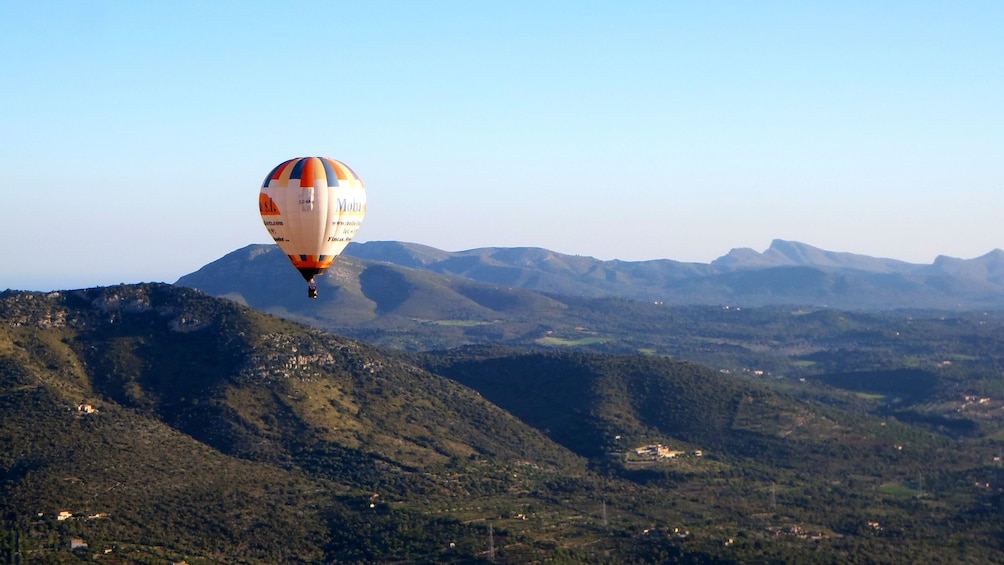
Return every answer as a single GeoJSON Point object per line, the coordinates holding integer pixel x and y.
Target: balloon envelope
{"type": "Point", "coordinates": [312, 206]}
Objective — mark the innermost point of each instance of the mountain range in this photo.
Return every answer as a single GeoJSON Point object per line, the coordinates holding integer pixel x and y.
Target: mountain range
{"type": "Point", "coordinates": [410, 297]}
{"type": "Point", "coordinates": [787, 273]}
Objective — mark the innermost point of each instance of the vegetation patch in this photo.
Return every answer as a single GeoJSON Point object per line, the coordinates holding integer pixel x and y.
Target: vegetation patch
{"type": "Point", "coordinates": [899, 490]}
{"type": "Point", "coordinates": [551, 340]}
{"type": "Point", "coordinates": [961, 357]}
{"type": "Point", "coordinates": [457, 323]}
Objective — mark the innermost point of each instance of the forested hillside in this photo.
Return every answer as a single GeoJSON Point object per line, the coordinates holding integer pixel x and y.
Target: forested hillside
{"type": "Point", "coordinates": [155, 424]}
{"type": "Point", "coordinates": [175, 425]}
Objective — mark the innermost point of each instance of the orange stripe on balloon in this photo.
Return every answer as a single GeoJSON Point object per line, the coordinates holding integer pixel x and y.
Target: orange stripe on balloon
{"type": "Point", "coordinates": [283, 167]}
{"type": "Point", "coordinates": [339, 169]}
{"type": "Point", "coordinates": [307, 172]}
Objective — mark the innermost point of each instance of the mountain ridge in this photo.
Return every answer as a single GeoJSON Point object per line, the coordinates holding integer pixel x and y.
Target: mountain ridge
{"type": "Point", "coordinates": [781, 252]}
{"type": "Point", "coordinates": [787, 273]}
{"type": "Point", "coordinates": [792, 253]}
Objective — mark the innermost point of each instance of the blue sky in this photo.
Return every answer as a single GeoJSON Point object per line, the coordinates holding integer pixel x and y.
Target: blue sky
{"type": "Point", "coordinates": [136, 135]}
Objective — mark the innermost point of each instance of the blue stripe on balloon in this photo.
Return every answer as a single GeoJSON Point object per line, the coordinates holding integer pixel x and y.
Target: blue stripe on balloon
{"type": "Point", "coordinates": [297, 169]}
{"type": "Point", "coordinates": [272, 173]}
{"type": "Point", "coordinates": [329, 172]}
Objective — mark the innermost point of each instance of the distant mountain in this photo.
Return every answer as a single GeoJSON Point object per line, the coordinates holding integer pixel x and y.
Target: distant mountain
{"type": "Point", "coordinates": [538, 269]}
{"type": "Point", "coordinates": [788, 273]}
{"type": "Point", "coordinates": [783, 253]}
{"type": "Point", "coordinates": [400, 307]}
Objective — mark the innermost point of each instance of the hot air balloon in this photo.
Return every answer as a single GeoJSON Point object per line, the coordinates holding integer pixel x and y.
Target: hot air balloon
{"type": "Point", "coordinates": [312, 206]}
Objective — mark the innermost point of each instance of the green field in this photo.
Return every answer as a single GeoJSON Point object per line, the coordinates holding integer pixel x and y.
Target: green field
{"type": "Point", "coordinates": [550, 340]}
{"type": "Point", "coordinates": [898, 490]}
{"type": "Point", "coordinates": [458, 323]}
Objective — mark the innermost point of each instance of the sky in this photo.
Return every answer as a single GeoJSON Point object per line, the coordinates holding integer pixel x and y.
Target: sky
{"type": "Point", "coordinates": [135, 135]}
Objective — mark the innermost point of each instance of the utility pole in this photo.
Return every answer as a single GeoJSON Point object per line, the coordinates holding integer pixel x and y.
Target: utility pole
{"type": "Point", "coordinates": [773, 497]}
{"type": "Point", "coordinates": [604, 513]}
